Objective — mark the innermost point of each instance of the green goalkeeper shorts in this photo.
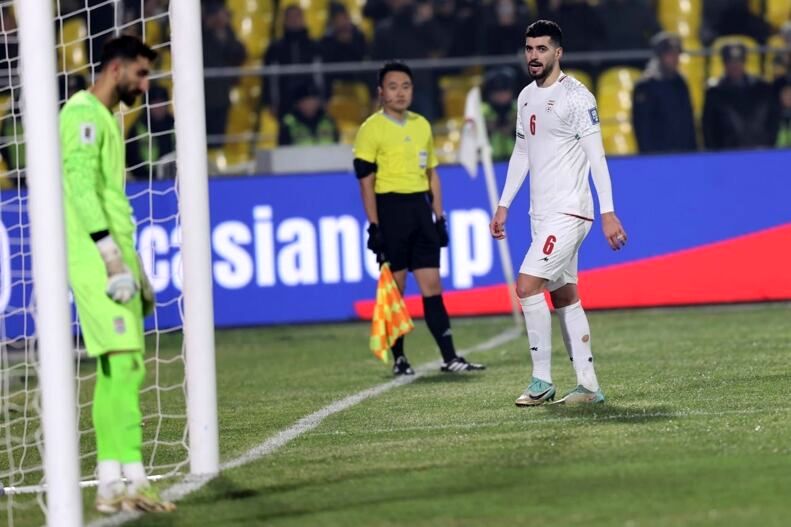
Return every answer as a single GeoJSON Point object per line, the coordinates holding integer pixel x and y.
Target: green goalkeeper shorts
{"type": "Point", "coordinates": [105, 325]}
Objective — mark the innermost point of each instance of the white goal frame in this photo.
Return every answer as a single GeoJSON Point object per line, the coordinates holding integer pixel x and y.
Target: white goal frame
{"type": "Point", "coordinates": [55, 344]}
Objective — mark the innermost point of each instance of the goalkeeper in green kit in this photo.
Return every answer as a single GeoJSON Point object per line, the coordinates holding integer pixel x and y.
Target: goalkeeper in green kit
{"type": "Point", "coordinates": [110, 288]}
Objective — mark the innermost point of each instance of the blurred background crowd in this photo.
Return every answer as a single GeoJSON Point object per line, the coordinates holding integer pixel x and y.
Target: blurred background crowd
{"type": "Point", "coordinates": [669, 75]}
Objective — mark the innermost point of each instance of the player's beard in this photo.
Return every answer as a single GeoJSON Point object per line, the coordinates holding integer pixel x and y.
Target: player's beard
{"type": "Point", "coordinates": [546, 71]}
{"type": "Point", "coordinates": [126, 95]}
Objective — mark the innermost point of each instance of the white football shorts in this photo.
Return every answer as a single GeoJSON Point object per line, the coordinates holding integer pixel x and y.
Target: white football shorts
{"type": "Point", "coordinates": [553, 253]}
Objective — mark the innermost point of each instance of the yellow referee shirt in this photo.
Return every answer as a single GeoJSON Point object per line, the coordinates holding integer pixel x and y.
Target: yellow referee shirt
{"type": "Point", "coordinates": [402, 151]}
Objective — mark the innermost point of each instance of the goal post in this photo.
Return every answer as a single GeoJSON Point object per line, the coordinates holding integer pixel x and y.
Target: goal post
{"type": "Point", "coordinates": [191, 162]}
{"type": "Point", "coordinates": [45, 209]}
{"type": "Point", "coordinates": [47, 442]}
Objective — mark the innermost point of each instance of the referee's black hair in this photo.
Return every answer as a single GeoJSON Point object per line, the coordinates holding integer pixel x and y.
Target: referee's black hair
{"type": "Point", "coordinates": [545, 28]}
{"type": "Point", "coordinates": [393, 66]}
{"type": "Point", "coordinates": [126, 47]}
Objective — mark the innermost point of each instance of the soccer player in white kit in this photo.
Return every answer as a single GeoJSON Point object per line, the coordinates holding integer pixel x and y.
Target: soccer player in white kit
{"type": "Point", "coordinates": [558, 140]}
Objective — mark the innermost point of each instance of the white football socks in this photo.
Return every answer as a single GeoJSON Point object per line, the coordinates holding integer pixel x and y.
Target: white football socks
{"type": "Point", "coordinates": [110, 483]}
{"type": "Point", "coordinates": [576, 335]}
{"type": "Point", "coordinates": [136, 474]}
{"type": "Point", "coordinates": [539, 333]}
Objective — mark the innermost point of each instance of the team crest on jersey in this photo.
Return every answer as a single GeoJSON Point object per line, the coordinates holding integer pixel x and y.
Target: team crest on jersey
{"type": "Point", "coordinates": [120, 325]}
{"type": "Point", "coordinates": [550, 105]}
{"type": "Point", "coordinates": [88, 133]}
{"type": "Point", "coordinates": [594, 115]}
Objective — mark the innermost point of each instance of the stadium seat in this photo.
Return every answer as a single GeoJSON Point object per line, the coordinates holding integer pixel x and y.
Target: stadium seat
{"type": "Point", "coordinates": [447, 137]}
{"type": "Point", "coordinates": [776, 12]}
{"type": "Point", "coordinates": [252, 22]}
{"type": "Point", "coordinates": [268, 129]}
{"type": "Point", "coordinates": [619, 138]}
{"type": "Point", "coordinates": [681, 16]}
{"type": "Point", "coordinates": [581, 76]}
{"type": "Point", "coordinates": [355, 8]}
{"type": "Point", "coordinates": [315, 12]}
{"type": "Point", "coordinates": [72, 53]}
{"type": "Point", "coordinates": [241, 124]}
{"type": "Point", "coordinates": [349, 105]}
{"type": "Point", "coordinates": [454, 90]}
{"type": "Point", "coordinates": [753, 65]}
{"type": "Point", "coordinates": [614, 94]}
{"type": "Point", "coordinates": [772, 69]}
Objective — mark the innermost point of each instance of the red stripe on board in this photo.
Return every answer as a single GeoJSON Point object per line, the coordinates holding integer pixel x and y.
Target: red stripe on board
{"type": "Point", "coordinates": [750, 268]}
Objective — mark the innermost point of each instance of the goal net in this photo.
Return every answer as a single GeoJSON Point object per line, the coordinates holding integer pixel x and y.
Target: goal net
{"type": "Point", "coordinates": [81, 26]}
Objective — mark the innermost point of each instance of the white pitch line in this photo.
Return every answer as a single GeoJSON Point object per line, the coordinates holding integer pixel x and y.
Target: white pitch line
{"type": "Point", "coordinates": [190, 484]}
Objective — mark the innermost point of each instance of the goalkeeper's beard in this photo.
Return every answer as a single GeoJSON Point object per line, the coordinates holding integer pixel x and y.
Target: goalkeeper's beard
{"type": "Point", "coordinates": [127, 96]}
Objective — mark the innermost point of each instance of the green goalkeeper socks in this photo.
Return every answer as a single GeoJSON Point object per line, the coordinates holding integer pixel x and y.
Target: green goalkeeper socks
{"type": "Point", "coordinates": [116, 407]}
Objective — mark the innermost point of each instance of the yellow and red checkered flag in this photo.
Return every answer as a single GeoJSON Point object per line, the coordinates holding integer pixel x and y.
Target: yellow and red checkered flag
{"type": "Point", "coordinates": [390, 319]}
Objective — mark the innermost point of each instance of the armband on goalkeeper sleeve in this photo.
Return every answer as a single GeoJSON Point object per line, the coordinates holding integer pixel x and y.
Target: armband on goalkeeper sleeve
{"type": "Point", "coordinates": [121, 284]}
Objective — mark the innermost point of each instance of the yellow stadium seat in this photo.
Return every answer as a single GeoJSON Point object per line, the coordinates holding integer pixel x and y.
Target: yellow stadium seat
{"type": "Point", "coordinates": [753, 64]}
{"type": "Point", "coordinates": [355, 8]}
{"type": "Point", "coordinates": [241, 124]}
{"type": "Point", "coordinates": [315, 12]}
{"type": "Point", "coordinates": [447, 138]}
{"type": "Point", "coordinates": [72, 53]}
{"type": "Point", "coordinates": [614, 93]}
{"type": "Point", "coordinates": [777, 12]}
{"type": "Point", "coordinates": [347, 132]}
{"type": "Point", "coordinates": [252, 22]}
{"type": "Point", "coordinates": [581, 76]}
{"type": "Point", "coordinates": [619, 138]}
{"type": "Point", "coordinates": [681, 16]}
{"type": "Point", "coordinates": [454, 93]}
{"type": "Point", "coordinates": [268, 129]}
{"type": "Point", "coordinates": [771, 68]}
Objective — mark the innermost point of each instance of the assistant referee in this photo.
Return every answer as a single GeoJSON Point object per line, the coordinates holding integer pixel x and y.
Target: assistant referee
{"type": "Point", "coordinates": [395, 164]}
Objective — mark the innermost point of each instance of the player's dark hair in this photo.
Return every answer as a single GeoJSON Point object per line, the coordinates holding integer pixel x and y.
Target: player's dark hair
{"type": "Point", "coordinates": [393, 66]}
{"type": "Point", "coordinates": [545, 28]}
{"type": "Point", "coordinates": [126, 47]}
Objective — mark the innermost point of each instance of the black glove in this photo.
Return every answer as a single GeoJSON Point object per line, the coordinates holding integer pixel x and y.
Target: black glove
{"type": "Point", "coordinates": [376, 242]}
{"type": "Point", "coordinates": [442, 231]}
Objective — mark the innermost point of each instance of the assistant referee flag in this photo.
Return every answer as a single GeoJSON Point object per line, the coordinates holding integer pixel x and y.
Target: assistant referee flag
{"type": "Point", "coordinates": [390, 319]}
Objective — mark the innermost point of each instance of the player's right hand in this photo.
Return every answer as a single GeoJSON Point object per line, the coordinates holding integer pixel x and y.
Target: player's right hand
{"type": "Point", "coordinates": [121, 283]}
{"type": "Point", "coordinates": [497, 226]}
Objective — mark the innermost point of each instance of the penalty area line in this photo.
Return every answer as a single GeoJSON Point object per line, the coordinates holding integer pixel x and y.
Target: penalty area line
{"type": "Point", "coordinates": [272, 444]}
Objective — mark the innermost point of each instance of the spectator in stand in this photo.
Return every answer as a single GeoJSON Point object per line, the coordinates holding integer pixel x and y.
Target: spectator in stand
{"type": "Point", "coordinates": [732, 17]}
{"type": "Point", "coordinates": [295, 47]}
{"type": "Point", "coordinates": [499, 111]}
{"type": "Point", "coordinates": [583, 28]}
{"type": "Point", "coordinates": [307, 123]}
{"type": "Point", "coordinates": [343, 42]}
{"type": "Point", "coordinates": [221, 48]}
{"type": "Point", "coordinates": [784, 132]}
{"type": "Point", "coordinates": [404, 36]}
{"type": "Point", "coordinates": [151, 136]}
{"type": "Point", "coordinates": [662, 112]}
{"type": "Point", "coordinates": [740, 111]}
{"type": "Point", "coordinates": [629, 25]}
{"type": "Point", "coordinates": [505, 33]}
{"type": "Point", "coordinates": [782, 59]}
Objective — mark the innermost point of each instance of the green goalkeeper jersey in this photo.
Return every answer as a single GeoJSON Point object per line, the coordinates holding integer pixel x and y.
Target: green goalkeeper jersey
{"type": "Point", "coordinates": [94, 174]}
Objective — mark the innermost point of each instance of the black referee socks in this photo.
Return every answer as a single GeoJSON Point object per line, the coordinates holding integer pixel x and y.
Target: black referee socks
{"type": "Point", "coordinates": [438, 323]}
{"type": "Point", "coordinates": [398, 348]}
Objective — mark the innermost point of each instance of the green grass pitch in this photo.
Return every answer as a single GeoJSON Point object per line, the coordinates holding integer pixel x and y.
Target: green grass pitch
{"type": "Point", "coordinates": [696, 429]}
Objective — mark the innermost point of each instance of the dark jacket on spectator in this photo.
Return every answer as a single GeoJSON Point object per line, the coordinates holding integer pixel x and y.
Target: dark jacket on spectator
{"type": "Point", "coordinates": [740, 114]}
{"type": "Point", "coordinates": [218, 53]}
{"type": "Point", "coordinates": [296, 47]}
{"type": "Point", "coordinates": [662, 114]}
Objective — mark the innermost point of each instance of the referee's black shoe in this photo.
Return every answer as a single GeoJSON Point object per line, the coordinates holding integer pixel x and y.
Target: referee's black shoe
{"type": "Point", "coordinates": [402, 367]}
{"type": "Point", "coordinates": [460, 364]}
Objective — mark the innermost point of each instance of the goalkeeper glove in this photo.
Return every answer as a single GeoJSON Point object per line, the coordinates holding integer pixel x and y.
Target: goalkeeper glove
{"type": "Point", "coordinates": [146, 291]}
{"type": "Point", "coordinates": [121, 285]}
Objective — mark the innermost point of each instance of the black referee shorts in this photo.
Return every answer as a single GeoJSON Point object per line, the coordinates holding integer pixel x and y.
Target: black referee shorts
{"type": "Point", "coordinates": [407, 225]}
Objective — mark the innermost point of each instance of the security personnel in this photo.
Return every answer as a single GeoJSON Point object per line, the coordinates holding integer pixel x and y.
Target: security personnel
{"type": "Point", "coordinates": [395, 164]}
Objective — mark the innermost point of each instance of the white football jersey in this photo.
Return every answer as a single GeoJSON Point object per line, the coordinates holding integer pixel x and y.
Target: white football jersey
{"type": "Point", "coordinates": [552, 120]}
